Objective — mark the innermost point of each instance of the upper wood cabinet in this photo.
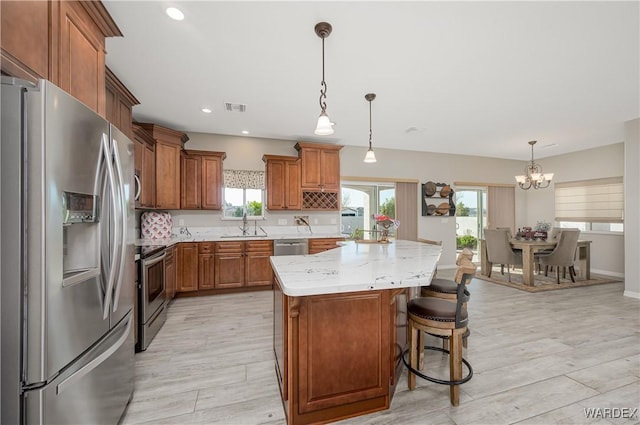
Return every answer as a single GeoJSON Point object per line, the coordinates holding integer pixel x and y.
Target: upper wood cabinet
{"type": "Point", "coordinates": [61, 41]}
{"type": "Point", "coordinates": [201, 181]}
{"type": "Point", "coordinates": [119, 104]}
{"type": "Point", "coordinates": [283, 182]}
{"type": "Point", "coordinates": [145, 167]}
{"type": "Point", "coordinates": [320, 166]}
{"type": "Point", "coordinates": [167, 171]}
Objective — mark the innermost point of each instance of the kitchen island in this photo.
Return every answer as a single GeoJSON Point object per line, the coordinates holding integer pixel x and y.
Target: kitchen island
{"type": "Point", "coordinates": [340, 326]}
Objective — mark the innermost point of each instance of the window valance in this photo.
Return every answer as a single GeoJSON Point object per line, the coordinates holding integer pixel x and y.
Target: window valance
{"type": "Point", "coordinates": [243, 179]}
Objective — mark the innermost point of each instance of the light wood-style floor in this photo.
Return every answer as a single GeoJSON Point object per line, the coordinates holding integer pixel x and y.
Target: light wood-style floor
{"type": "Point", "coordinates": [538, 359]}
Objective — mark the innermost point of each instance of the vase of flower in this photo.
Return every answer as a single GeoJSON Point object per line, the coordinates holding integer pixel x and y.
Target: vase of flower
{"type": "Point", "coordinates": [386, 223]}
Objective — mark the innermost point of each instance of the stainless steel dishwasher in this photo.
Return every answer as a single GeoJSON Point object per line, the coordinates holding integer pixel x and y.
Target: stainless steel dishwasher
{"type": "Point", "coordinates": [290, 247]}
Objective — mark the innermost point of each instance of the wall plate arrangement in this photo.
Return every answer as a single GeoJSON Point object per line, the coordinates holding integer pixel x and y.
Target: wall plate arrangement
{"type": "Point", "coordinates": [437, 199]}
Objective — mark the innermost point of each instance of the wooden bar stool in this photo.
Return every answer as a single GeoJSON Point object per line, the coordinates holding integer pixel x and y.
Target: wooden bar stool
{"type": "Point", "coordinates": [448, 319]}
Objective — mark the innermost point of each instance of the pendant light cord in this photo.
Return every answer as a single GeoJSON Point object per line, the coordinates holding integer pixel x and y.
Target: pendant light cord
{"type": "Point", "coordinates": [370, 132]}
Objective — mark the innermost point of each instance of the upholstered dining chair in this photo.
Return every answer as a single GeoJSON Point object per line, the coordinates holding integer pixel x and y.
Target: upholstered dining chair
{"type": "Point", "coordinates": [499, 250]}
{"type": "Point", "coordinates": [563, 255]}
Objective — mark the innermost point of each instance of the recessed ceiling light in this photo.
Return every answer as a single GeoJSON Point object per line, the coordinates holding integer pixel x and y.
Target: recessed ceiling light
{"type": "Point", "coordinates": [245, 131]}
{"type": "Point", "coordinates": [175, 13]}
{"type": "Point", "coordinates": [206, 110]}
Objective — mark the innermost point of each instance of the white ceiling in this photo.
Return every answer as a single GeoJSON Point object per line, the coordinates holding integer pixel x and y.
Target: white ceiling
{"type": "Point", "coordinates": [477, 78]}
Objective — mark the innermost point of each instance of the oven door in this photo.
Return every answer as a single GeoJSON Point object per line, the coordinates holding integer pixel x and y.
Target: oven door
{"type": "Point", "coordinates": [153, 285]}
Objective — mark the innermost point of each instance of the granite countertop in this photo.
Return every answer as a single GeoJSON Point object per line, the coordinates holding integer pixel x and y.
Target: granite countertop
{"type": "Point", "coordinates": [358, 267]}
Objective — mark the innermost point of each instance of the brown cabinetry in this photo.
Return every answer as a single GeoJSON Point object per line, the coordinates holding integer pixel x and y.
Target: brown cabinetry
{"type": "Point", "coordinates": [145, 167]}
{"type": "Point", "coordinates": [229, 264]}
{"type": "Point", "coordinates": [323, 373]}
{"type": "Point", "coordinates": [61, 41]}
{"type": "Point", "coordinates": [206, 265]}
{"type": "Point", "coordinates": [167, 164]}
{"type": "Point", "coordinates": [119, 104]}
{"type": "Point", "coordinates": [320, 176]}
{"type": "Point", "coordinates": [320, 166]}
{"type": "Point", "coordinates": [258, 271]}
{"type": "Point", "coordinates": [324, 244]}
{"type": "Point", "coordinates": [170, 272]}
{"type": "Point", "coordinates": [201, 182]}
{"type": "Point", "coordinates": [283, 182]}
{"type": "Point", "coordinates": [187, 270]}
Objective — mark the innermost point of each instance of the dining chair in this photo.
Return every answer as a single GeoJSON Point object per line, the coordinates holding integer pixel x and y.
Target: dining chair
{"type": "Point", "coordinates": [499, 250]}
{"type": "Point", "coordinates": [563, 254]}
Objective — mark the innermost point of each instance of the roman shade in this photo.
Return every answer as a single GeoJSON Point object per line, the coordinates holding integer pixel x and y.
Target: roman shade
{"type": "Point", "coordinates": [597, 200]}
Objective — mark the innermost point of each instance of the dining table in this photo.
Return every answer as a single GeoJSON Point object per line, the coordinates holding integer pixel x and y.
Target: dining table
{"type": "Point", "coordinates": [529, 247]}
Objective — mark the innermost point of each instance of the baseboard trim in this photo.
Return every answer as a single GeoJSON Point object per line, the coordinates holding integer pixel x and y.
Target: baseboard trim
{"type": "Point", "coordinates": [608, 273]}
{"type": "Point", "coordinates": [632, 294]}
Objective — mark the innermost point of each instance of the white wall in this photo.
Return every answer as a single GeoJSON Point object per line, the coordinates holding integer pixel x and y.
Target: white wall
{"type": "Point", "coordinates": [632, 208]}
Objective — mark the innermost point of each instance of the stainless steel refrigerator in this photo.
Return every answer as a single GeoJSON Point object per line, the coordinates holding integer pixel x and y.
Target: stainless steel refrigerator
{"type": "Point", "coordinates": [67, 265]}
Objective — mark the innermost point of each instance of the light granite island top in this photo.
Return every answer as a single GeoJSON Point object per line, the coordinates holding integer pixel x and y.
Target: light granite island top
{"type": "Point", "coordinates": [358, 267]}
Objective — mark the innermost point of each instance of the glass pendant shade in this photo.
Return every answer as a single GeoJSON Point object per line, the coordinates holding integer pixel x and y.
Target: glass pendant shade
{"type": "Point", "coordinates": [324, 127]}
{"type": "Point", "coordinates": [370, 156]}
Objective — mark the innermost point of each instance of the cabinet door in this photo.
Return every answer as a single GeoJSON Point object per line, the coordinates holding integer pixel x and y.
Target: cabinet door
{"type": "Point", "coordinates": [258, 271]}
{"type": "Point", "coordinates": [276, 184]}
{"type": "Point", "coordinates": [148, 177]}
{"type": "Point", "coordinates": [229, 264]}
{"type": "Point", "coordinates": [293, 192]}
{"type": "Point", "coordinates": [206, 268]}
{"type": "Point", "coordinates": [280, 337]}
{"type": "Point", "coordinates": [24, 37]}
{"type": "Point", "coordinates": [167, 176]}
{"type": "Point", "coordinates": [324, 244]}
{"type": "Point", "coordinates": [191, 182]}
{"type": "Point", "coordinates": [330, 170]}
{"type": "Point", "coordinates": [311, 171]}
{"type": "Point", "coordinates": [81, 67]}
{"type": "Point", "coordinates": [187, 273]}
{"type": "Point", "coordinates": [211, 182]}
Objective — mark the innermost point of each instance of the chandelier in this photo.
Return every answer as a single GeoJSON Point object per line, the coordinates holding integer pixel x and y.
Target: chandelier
{"type": "Point", "coordinates": [534, 177]}
{"type": "Point", "coordinates": [370, 156]}
{"type": "Point", "coordinates": [325, 126]}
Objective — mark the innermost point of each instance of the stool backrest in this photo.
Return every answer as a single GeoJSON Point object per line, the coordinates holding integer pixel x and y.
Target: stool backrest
{"type": "Point", "coordinates": [462, 297]}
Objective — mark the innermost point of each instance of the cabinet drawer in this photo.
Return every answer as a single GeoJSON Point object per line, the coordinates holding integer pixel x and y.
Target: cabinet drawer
{"type": "Point", "coordinates": [229, 247]}
{"type": "Point", "coordinates": [206, 247]}
{"type": "Point", "coordinates": [259, 246]}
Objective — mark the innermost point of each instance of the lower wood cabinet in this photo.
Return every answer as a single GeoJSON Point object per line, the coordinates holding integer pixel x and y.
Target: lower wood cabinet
{"type": "Point", "coordinates": [322, 369]}
{"type": "Point", "coordinates": [223, 265]}
{"type": "Point", "coordinates": [206, 265]}
{"type": "Point", "coordinates": [323, 244]}
{"type": "Point", "coordinates": [187, 272]}
{"type": "Point", "coordinates": [258, 271]}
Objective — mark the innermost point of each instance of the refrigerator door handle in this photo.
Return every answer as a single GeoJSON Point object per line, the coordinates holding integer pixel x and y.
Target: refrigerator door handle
{"type": "Point", "coordinates": [114, 259]}
{"type": "Point", "coordinates": [138, 187]}
{"type": "Point", "coordinates": [123, 225]}
{"type": "Point", "coordinates": [71, 380]}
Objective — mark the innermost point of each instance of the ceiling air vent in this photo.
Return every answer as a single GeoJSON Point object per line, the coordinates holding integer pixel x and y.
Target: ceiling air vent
{"type": "Point", "coordinates": [234, 107]}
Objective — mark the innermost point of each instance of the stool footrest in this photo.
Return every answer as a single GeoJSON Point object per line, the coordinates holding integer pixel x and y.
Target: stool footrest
{"type": "Point", "coordinates": [436, 380]}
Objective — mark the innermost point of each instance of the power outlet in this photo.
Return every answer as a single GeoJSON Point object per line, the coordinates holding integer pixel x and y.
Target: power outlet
{"type": "Point", "coordinates": [301, 220]}
{"type": "Point", "coordinates": [181, 222]}
{"type": "Point", "coordinates": [282, 221]}
{"type": "Point", "coordinates": [334, 221]}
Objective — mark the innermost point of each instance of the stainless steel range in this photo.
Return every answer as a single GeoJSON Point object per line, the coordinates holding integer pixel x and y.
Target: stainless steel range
{"type": "Point", "coordinates": [151, 294]}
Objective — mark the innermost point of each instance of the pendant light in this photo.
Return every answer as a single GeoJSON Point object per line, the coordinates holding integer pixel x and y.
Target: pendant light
{"type": "Point", "coordinates": [534, 177]}
{"type": "Point", "coordinates": [370, 156]}
{"type": "Point", "coordinates": [325, 126]}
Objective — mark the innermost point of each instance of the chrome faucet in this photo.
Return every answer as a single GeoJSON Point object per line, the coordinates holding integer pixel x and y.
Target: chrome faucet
{"type": "Point", "coordinates": [244, 227]}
